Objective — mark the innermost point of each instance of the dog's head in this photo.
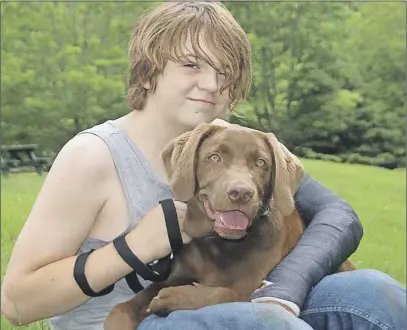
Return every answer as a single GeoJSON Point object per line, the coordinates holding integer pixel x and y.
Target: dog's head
{"type": "Point", "coordinates": [227, 170]}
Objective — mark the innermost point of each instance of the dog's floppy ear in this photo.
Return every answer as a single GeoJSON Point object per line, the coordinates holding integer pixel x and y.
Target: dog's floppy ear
{"type": "Point", "coordinates": [289, 172]}
{"type": "Point", "coordinates": [179, 158]}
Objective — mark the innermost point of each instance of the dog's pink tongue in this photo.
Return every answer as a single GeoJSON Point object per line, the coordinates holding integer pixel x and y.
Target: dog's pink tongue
{"type": "Point", "coordinates": [233, 219]}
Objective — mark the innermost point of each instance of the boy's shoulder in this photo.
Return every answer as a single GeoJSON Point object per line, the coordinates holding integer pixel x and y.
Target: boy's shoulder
{"type": "Point", "coordinates": [86, 153]}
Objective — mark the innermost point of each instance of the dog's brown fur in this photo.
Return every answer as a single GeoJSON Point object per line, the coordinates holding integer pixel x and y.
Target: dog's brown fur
{"type": "Point", "coordinates": [226, 270]}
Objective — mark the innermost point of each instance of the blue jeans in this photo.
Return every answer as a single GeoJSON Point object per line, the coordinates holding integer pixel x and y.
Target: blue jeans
{"type": "Point", "coordinates": [359, 300]}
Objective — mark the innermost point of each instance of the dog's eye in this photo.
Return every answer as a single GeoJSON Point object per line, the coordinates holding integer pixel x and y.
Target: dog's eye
{"type": "Point", "coordinates": [260, 162]}
{"type": "Point", "coordinates": [214, 158]}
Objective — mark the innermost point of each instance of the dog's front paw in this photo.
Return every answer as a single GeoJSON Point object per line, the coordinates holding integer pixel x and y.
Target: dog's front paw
{"type": "Point", "coordinates": [159, 306]}
{"type": "Point", "coordinates": [185, 297]}
{"type": "Point", "coordinates": [168, 300]}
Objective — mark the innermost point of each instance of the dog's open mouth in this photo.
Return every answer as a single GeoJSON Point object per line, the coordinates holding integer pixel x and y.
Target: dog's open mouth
{"type": "Point", "coordinates": [232, 220]}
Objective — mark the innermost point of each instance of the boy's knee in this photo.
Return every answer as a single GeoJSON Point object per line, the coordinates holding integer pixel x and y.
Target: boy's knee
{"type": "Point", "coordinates": [355, 281]}
{"type": "Point", "coordinates": [368, 294]}
{"type": "Point", "coordinates": [234, 316]}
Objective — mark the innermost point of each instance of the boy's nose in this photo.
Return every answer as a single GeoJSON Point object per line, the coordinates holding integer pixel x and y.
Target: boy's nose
{"type": "Point", "coordinates": [208, 80]}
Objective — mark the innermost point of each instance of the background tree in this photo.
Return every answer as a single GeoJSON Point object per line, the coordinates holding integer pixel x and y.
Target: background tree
{"type": "Point", "coordinates": [329, 78]}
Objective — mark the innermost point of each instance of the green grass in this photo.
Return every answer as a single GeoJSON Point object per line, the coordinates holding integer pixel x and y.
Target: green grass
{"type": "Point", "coordinates": [18, 193]}
{"type": "Point", "coordinates": [379, 198]}
{"type": "Point", "coordinates": [377, 195]}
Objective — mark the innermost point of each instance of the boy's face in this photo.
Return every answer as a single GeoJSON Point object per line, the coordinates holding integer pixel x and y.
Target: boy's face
{"type": "Point", "coordinates": [189, 93]}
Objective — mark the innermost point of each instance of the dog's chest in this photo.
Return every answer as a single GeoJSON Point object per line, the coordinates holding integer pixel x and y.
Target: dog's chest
{"type": "Point", "coordinates": [238, 265]}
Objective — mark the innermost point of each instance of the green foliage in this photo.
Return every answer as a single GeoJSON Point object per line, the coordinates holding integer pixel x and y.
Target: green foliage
{"type": "Point", "coordinates": [328, 76]}
{"type": "Point", "coordinates": [63, 68]}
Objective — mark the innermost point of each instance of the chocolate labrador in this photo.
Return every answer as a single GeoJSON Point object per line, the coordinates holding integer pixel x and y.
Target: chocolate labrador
{"type": "Point", "coordinates": [225, 175]}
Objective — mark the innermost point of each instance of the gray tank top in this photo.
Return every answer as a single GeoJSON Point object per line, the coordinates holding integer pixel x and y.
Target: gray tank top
{"type": "Point", "coordinates": [143, 190]}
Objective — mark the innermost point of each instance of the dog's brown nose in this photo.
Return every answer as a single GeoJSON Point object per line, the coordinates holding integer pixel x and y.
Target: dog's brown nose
{"type": "Point", "coordinates": [240, 192]}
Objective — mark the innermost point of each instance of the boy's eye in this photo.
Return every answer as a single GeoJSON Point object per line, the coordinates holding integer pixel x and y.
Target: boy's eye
{"type": "Point", "coordinates": [224, 71]}
{"type": "Point", "coordinates": [191, 65]}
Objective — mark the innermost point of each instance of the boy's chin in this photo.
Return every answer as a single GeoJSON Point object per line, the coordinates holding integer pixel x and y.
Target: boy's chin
{"type": "Point", "coordinates": [193, 120]}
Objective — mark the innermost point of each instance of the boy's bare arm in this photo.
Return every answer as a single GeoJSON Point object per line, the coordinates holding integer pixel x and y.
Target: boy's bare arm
{"type": "Point", "coordinates": [39, 281]}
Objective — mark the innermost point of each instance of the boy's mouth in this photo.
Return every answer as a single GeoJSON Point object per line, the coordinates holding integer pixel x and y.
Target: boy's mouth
{"type": "Point", "coordinates": [202, 101]}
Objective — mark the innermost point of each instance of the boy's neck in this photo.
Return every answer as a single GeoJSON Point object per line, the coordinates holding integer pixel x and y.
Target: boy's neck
{"type": "Point", "coordinates": [151, 134]}
{"type": "Point", "coordinates": [146, 127]}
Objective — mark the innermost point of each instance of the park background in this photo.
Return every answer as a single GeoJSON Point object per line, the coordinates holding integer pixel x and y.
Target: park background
{"type": "Point", "coordinates": [329, 81]}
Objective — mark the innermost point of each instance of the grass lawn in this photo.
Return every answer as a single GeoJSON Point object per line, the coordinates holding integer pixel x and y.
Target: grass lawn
{"type": "Point", "coordinates": [377, 195]}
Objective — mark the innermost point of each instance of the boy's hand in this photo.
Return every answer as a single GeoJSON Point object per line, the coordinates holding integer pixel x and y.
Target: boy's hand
{"type": "Point", "coordinates": [155, 236]}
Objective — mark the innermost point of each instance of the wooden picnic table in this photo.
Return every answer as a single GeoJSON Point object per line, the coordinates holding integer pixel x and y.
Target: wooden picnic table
{"type": "Point", "coordinates": [17, 158]}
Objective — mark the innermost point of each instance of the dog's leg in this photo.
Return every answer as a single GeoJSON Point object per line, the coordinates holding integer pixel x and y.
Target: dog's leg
{"type": "Point", "coordinates": [191, 297]}
{"type": "Point", "coordinates": [128, 315]}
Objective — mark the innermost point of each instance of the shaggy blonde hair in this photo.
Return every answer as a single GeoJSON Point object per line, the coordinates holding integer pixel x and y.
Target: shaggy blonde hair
{"type": "Point", "coordinates": [160, 35]}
